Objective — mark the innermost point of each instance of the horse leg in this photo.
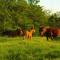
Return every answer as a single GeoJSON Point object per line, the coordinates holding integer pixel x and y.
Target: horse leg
{"type": "Point", "coordinates": [52, 38]}
{"type": "Point", "coordinates": [23, 37]}
{"type": "Point", "coordinates": [47, 38]}
{"type": "Point", "coordinates": [30, 37]}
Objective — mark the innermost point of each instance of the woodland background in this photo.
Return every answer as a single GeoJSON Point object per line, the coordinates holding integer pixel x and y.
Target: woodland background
{"type": "Point", "coordinates": [24, 14]}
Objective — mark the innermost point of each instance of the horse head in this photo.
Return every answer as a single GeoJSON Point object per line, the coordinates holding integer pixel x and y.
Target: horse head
{"type": "Point", "coordinates": [42, 30]}
{"type": "Point", "coordinates": [32, 30]}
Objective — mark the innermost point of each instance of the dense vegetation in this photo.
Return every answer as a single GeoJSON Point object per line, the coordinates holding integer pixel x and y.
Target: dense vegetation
{"type": "Point", "coordinates": [54, 20]}
{"type": "Point", "coordinates": [21, 13]}
{"type": "Point", "coordinates": [36, 49]}
{"type": "Point", "coordinates": [25, 13]}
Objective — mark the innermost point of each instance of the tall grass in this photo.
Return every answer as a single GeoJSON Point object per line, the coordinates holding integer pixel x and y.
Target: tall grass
{"type": "Point", "coordinates": [36, 49]}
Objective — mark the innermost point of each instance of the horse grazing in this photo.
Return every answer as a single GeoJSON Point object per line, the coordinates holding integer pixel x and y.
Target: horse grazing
{"type": "Point", "coordinates": [12, 33]}
{"type": "Point", "coordinates": [49, 32]}
{"type": "Point", "coordinates": [28, 33]}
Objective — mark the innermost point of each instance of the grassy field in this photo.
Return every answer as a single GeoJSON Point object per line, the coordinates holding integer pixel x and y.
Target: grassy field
{"type": "Point", "coordinates": [36, 49]}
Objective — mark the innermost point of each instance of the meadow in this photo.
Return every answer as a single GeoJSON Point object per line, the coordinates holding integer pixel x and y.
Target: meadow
{"type": "Point", "coordinates": [36, 49]}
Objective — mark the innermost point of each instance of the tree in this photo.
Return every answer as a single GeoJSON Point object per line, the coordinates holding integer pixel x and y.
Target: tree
{"type": "Point", "coordinates": [33, 2]}
{"type": "Point", "coordinates": [54, 20]}
{"type": "Point", "coordinates": [15, 14]}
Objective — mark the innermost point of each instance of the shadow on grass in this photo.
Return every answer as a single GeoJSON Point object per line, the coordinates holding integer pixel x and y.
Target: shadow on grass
{"type": "Point", "coordinates": [52, 55]}
{"type": "Point", "coordinates": [12, 55]}
{"type": "Point", "coordinates": [57, 38]}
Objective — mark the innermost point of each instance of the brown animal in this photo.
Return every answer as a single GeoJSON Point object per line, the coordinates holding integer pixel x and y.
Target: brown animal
{"type": "Point", "coordinates": [12, 33]}
{"type": "Point", "coordinates": [49, 32]}
{"type": "Point", "coordinates": [28, 33]}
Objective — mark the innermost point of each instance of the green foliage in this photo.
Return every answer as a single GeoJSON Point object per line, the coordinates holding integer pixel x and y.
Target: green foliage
{"type": "Point", "coordinates": [35, 49]}
{"type": "Point", "coordinates": [33, 2]}
{"type": "Point", "coordinates": [14, 14]}
{"type": "Point", "coordinates": [54, 20]}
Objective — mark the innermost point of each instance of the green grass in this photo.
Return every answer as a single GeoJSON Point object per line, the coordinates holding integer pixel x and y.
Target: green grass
{"type": "Point", "coordinates": [36, 49]}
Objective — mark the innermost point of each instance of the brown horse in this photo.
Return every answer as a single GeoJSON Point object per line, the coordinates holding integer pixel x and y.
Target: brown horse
{"type": "Point", "coordinates": [28, 33]}
{"type": "Point", "coordinates": [12, 33]}
{"type": "Point", "coordinates": [49, 32]}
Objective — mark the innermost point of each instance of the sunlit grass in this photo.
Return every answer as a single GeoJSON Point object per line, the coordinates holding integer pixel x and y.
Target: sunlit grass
{"type": "Point", "coordinates": [15, 48]}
